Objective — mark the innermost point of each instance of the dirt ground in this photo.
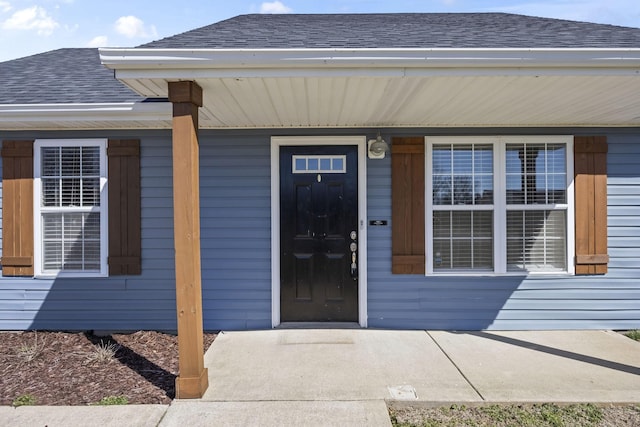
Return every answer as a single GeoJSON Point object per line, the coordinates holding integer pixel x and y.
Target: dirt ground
{"type": "Point", "coordinates": [61, 368]}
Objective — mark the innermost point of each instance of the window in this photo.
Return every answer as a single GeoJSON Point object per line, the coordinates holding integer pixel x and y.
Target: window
{"type": "Point", "coordinates": [536, 202]}
{"type": "Point", "coordinates": [498, 204]}
{"type": "Point", "coordinates": [462, 178]}
{"type": "Point", "coordinates": [70, 207]}
{"type": "Point", "coordinates": [319, 164]}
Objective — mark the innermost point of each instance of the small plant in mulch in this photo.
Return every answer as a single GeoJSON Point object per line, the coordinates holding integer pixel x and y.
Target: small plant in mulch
{"type": "Point", "coordinates": [103, 352]}
{"type": "Point", "coordinates": [30, 352]}
{"type": "Point", "coordinates": [112, 400]}
{"type": "Point", "coordinates": [23, 400]}
{"type": "Point", "coordinates": [633, 334]}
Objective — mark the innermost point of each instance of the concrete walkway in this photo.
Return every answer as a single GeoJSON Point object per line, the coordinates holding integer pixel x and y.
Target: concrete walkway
{"type": "Point", "coordinates": [326, 377]}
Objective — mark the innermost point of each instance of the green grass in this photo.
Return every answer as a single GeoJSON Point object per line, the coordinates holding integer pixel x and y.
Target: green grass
{"type": "Point", "coordinates": [113, 400]}
{"type": "Point", "coordinates": [23, 400]}
{"type": "Point", "coordinates": [533, 415]}
{"type": "Point", "coordinates": [634, 334]}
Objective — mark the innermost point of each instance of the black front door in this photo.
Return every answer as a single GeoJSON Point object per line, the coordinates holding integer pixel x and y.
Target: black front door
{"type": "Point", "coordinates": [318, 233]}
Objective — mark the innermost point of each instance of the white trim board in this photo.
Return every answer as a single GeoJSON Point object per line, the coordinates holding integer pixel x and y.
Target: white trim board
{"type": "Point", "coordinates": [122, 111]}
{"type": "Point", "coordinates": [276, 143]}
{"type": "Point", "coordinates": [171, 63]}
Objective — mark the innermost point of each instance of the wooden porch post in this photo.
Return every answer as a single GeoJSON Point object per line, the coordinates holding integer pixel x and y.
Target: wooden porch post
{"type": "Point", "coordinates": [186, 97]}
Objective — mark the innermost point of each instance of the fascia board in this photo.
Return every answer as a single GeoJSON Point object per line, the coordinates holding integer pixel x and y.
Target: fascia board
{"type": "Point", "coordinates": [334, 59]}
{"type": "Point", "coordinates": [112, 112]}
{"type": "Point", "coordinates": [175, 74]}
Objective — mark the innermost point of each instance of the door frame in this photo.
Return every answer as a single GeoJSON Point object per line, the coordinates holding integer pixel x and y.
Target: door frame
{"type": "Point", "coordinates": [276, 143]}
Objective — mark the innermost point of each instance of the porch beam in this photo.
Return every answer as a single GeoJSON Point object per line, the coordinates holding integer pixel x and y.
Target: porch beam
{"type": "Point", "coordinates": [186, 97]}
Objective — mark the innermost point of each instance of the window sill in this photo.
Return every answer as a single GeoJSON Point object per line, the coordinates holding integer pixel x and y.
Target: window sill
{"type": "Point", "coordinates": [492, 274]}
{"type": "Point", "coordinates": [49, 276]}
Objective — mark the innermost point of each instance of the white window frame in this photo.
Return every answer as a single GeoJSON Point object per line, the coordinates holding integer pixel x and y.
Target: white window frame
{"type": "Point", "coordinates": [39, 272]}
{"type": "Point", "coordinates": [306, 158]}
{"type": "Point", "coordinates": [499, 206]}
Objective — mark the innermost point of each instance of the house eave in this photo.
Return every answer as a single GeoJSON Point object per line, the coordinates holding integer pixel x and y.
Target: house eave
{"type": "Point", "coordinates": [361, 88]}
{"type": "Point", "coordinates": [86, 116]}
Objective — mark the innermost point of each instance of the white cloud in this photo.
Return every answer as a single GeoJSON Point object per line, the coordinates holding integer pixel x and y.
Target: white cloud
{"type": "Point", "coordinates": [98, 41]}
{"type": "Point", "coordinates": [33, 18]}
{"type": "Point", "coordinates": [274, 7]}
{"type": "Point", "coordinates": [131, 26]}
{"type": "Point", "coordinates": [5, 6]}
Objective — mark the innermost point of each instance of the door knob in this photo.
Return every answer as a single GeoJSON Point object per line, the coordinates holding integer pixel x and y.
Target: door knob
{"type": "Point", "coordinates": [354, 266]}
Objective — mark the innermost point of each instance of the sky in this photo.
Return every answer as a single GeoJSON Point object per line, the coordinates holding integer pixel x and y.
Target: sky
{"type": "Point", "coordinates": [33, 26]}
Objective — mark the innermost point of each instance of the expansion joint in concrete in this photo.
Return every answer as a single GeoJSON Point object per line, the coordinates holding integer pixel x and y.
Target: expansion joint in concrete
{"type": "Point", "coordinates": [456, 366]}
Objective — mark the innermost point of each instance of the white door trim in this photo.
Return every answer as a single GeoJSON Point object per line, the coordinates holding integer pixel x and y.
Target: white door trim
{"type": "Point", "coordinates": [276, 143]}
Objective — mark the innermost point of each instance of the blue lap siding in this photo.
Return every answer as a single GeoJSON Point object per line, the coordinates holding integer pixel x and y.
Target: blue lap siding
{"type": "Point", "coordinates": [115, 303]}
{"type": "Point", "coordinates": [611, 301]}
{"type": "Point", "coordinates": [236, 231]}
{"type": "Point", "coordinates": [236, 254]}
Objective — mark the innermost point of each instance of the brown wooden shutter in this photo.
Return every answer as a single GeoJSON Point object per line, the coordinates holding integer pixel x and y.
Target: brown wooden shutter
{"type": "Point", "coordinates": [407, 199]}
{"type": "Point", "coordinates": [17, 208]}
{"type": "Point", "coordinates": [590, 167]}
{"type": "Point", "coordinates": [125, 234]}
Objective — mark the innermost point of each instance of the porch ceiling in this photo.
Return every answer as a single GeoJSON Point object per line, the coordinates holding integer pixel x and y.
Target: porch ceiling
{"type": "Point", "coordinates": [396, 88]}
{"type": "Point", "coordinates": [430, 101]}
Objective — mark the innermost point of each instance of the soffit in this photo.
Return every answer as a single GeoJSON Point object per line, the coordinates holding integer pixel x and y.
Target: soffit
{"type": "Point", "coordinates": [413, 101]}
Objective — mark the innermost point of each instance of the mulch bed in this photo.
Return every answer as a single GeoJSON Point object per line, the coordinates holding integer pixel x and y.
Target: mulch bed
{"type": "Point", "coordinates": [61, 368]}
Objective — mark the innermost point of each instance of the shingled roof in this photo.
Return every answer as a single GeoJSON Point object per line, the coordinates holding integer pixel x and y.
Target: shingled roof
{"type": "Point", "coordinates": [61, 76]}
{"type": "Point", "coordinates": [76, 76]}
{"type": "Point", "coordinates": [401, 30]}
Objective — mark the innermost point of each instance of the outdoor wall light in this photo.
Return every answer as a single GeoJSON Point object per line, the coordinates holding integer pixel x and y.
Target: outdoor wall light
{"type": "Point", "coordinates": [377, 148]}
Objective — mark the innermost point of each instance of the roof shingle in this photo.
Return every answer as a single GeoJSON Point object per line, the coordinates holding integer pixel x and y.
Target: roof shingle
{"type": "Point", "coordinates": [401, 30]}
{"type": "Point", "coordinates": [62, 76]}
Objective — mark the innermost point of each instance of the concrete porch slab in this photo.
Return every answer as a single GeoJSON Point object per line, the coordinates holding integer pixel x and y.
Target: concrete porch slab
{"type": "Point", "coordinates": [330, 365]}
{"type": "Point", "coordinates": [547, 366]}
